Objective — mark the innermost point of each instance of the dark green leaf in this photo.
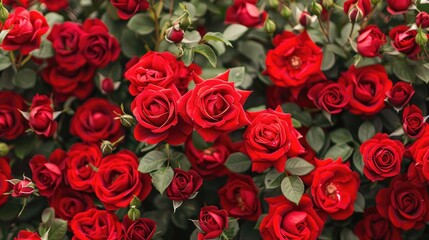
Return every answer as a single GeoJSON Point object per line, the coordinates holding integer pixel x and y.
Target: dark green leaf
{"type": "Point", "coordinates": [199, 142]}
{"type": "Point", "coordinates": [58, 229]}
{"type": "Point", "coordinates": [141, 23]}
{"type": "Point", "coordinates": [339, 150]}
{"type": "Point", "coordinates": [188, 56]}
{"type": "Point", "coordinates": [403, 71]}
{"type": "Point", "coordinates": [25, 78]}
{"type": "Point", "coordinates": [347, 234]}
{"type": "Point", "coordinates": [273, 179]}
{"type": "Point", "coordinates": [234, 31]}
{"type": "Point", "coordinates": [292, 188]}
{"type": "Point", "coordinates": [162, 178]}
{"type": "Point", "coordinates": [48, 215]}
{"type": "Point", "coordinates": [366, 131]}
{"type": "Point", "coordinates": [217, 36]}
{"type": "Point", "coordinates": [238, 162]}
{"type": "Point", "coordinates": [237, 75]}
{"type": "Point", "coordinates": [315, 138]}
{"type": "Point", "coordinates": [359, 204]}
{"type": "Point", "coordinates": [207, 52]}
{"type": "Point", "coordinates": [341, 135]}
{"type": "Point", "coordinates": [4, 62]}
{"type": "Point", "coordinates": [45, 50]}
{"type": "Point", "coordinates": [298, 166]}
{"type": "Point", "coordinates": [152, 161]}
{"type": "Point", "coordinates": [358, 161]}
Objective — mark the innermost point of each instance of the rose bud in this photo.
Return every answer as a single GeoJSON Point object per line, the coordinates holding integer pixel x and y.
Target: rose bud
{"type": "Point", "coordinates": [305, 19]}
{"type": "Point", "coordinates": [422, 20]}
{"type": "Point", "coordinates": [398, 6]}
{"type": "Point", "coordinates": [4, 149]}
{"type": "Point", "coordinates": [212, 222]}
{"type": "Point", "coordinates": [107, 147]}
{"type": "Point", "coordinates": [404, 40]}
{"type": "Point", "coordinates": [174, 34]}
{"type": "Point", "coordinates": [286, 12]}
{"type": "Point", "coordinates": [327, 3]}
{"type": "Point", "coordinates": [357, 9]}
{"type": "Point", "coordinates": [269, 26]}
{"type": "Point", "coordinates": [421, 38]}
{"type": "Point", "coordinates": [316, 8]}
{"type": "Point", "coordinates": [4, 13]}
{"type": "Point", "coordinates": [413, 121]}
{"type": "Point", "coordinates": [184, 185]}
{"type": "Point", "coordinates": [185, 22]}
{"type": "Point", "coordinates": [107, 85]}
{"type": "Point", "coordinates": [41, 117]}
{"type": "Point", "coordinates": [22, 188]}
{"type": "Point", "coordinates": [400, 94]}
{"type": "Point", "coordinates": [370, 41]}
{"type": "Point", "coordinates": [133, 214]}
{"type": "Point", "coordinates": [355, 14]}
{"type": "Point", "coordinates": [27, 235]}
{"type": "Point", "coordinates": [273, 3]}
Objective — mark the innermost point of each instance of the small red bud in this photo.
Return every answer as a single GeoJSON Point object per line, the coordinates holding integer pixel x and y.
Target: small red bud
{"type": "Point", "coordinates": [174, 34]}
{"type": "Point", "coordinates": [107, 85]}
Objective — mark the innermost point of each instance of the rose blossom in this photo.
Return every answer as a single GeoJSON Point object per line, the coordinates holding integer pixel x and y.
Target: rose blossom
{"type": "Point", "coordinates": [212, 222]}
{"type": "Point", "coordinates": [375, 226]}
{"type": "Point", "coordinates": [329, 96]}
{"type": "Point", "coordinates": [96, 224]}
{"type": "Point", "coordinates": [184, 185]}
{"type": "Point", "coordinates": [141, 229]}
{"type": "Point", "coordinates": [370, 41]}
{"type": "Point", "coordinates": [404, 40]}
{"type": "Point", "coordinates": [413, 122]}
{"type": "Point", "coordinates": [41, 116]}
{"type": "Point", "coordinates": [68, 202]}
{"type": "Point", "coordinates": [400, 94]}
{"type": "Point", "coordinates": [127, 8]}
{"type": "Point", "coordinates": [398, 6]}
{"type": "Point", "coordinates": [245, 12]}
{"type": "Point", "coordinates": [12, 123]}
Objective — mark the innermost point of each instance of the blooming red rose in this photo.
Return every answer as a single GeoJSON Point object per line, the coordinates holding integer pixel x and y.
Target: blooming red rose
{"type": "Point", "coordinates": [270, 139]}
{"type": "Point", "coordinates": [98, 46]}
{"type": "Point", "coordinates": [117, 180]}
{"type": "Point", "coordinates": [5, 174]}
{"type": "Point", "coordinates": [294, 60]}
{"type": "Point", "coordinates": [400, 94]}
{"type": "Point", "coordinates": [357, 8]}
{"type": "Point", "coordinates": [41, 117]}
{"type": "Point", "coordinates": [212, 222]}
{"type": "Point", "coordinates": [12, 123]}
{"type": "Point", "coordinates": [68, 202]}
{"type": "Point", "coordinates": [286, 220]}
{"type": "Point", "coordinates": [26, 30]}
{"type": "Point", "coordinates": [157, 68]}
{"type": "Point", "coordinates": [375, 226]}
{"type": "Point", "coordinates": [334, 189]}
{"type": "Point", "coordinates": [27, 235]}
{"type": "Point", "coordinates": [404, 40]}
{"type": "Point", "coordinates": [422, 19]}
{"type": "Point", "coordinates": [367, 87]}
{"type": "Point", "coordinates": [370, 41]}
{"type": "Point", "coordinates": [95, 121]}
{"type": "Point", "coordinates": [55, 5]}
{"type": "Point", "coordinates": [185, 185]}
{"type": "Point", "coordinates": [420, 153]}
{"type": "Point", "coordinates": [413, 121]}
{"type": "Point", "coordinates": [245, 12]}
{"type": "Point", "coordinates": [398, 6]}
{"type": "Point", "coordinates": [141, 229]}
{"type": "Point", "coordinates": [156, 112]}
{"type": "Point", "coordinates": [47, 174]}
{"type": "Point", "coordinates": [96, 224]}
{"type": "Point", "coordinates": [127, 8]}
{"type": "Point", "coordinates": [81, 163]}
{"type": "Point", "coordinates": [405, 205]}
{"type": "Point", "coordinates": [239, 196]}
{"type": "Point", "coordinates": [329, 96]}
{"type": "Point", "coordinates": [214, 107]}
{"type": "Point", "coordinates": [382, 157]}
{"type": "Point", "coordinates": [210, 162]}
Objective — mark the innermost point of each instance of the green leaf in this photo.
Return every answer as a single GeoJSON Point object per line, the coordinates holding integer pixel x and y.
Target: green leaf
{"type": "Point", "coordinates": [336, 49]}
{"type": "Point", "coordinates": [217, 36]}
{"type": "Point", "coordinates": [296, 123]}
{"type": "Point", "coordinates": [347, 234]}
{"type": "Point", "coordinates": [180, 161]}
{"type": "Point", "coordinates": [4, 62]}
{"type": "Point", "coordinates": [273, 179]}
{"type": "Point", "coordinates": [233, 228]}
{"type": "Point", "coordinates": [315, 138]}
{"type": "Point", "coordinates": [359, 204]}
{"type": "Point", "coordinates": [162, 178]}
{"type": "Point", "coordinates": [328, 60]}
{"type": "Point", "coordinates": [53, 18]}
{"type": "Point", "coordinates": [366, 131]}
{"type": "Point", "coordinates": [292, 188]}
{"type": "Point", "coordinates": [298, 166]}
{"type": "Point", "coordinates": [3, 34]}
{"type": "Point", "coordinates": [341, 135]}
{"type": "Point", "coordinates": [358, 161]}
{"type": "Point", "coordinates": [199, 142]}
{"type": "Point", "coordinates": [207, 52]}
{"type": "Point", "coordinates": [422, 71]}
{"type": "Point", "coordinates": [58, 229]}
{"type": "Point", "coordinates": [234, 31]}
{"type": "Point", "coordinates": [45, 50]}
{"type": "Point", "coordinates": [141, 23]}
{"type": "Point", "coordinates": [238, 162]}
{"type": "Point", "coordinates": [25, 78]}
{"type": "Point", "coordinates": [48, 215]}
{"type": "Point", "coordinates": [403, 71]}
{"type": "Point", "coordinates": [191, 39]}
{"type": "Point", "coordinates": [339, 150]}
{"type": "Point", "coordinates": [152, 161]}
{"type": "Point", "coordinates": [237, 75]}
{"type": "Point", "coordinates": [188, 56]}
{"type": "Point", "coordinates": [25, 145]}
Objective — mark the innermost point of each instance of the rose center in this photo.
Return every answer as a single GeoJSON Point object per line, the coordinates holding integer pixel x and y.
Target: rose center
{"type": "Point", "coordinates": [295, 62]}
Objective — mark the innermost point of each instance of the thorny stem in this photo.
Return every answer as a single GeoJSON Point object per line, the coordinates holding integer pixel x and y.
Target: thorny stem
{"type": "Point", "coordinates": [323, 29]}
{"type": "Point", "coordinates": [155, 19]}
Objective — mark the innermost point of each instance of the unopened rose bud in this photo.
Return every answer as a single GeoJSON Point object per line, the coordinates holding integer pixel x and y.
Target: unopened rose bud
{"type": "Point", "coordinates": [127, 120]}
{"type": "Point", "coordinates": [133, 214]}
{"type": "Point", "coordinates": [107, 85]}
{"type": "Point", "coordinates": [286, 12]}
{"type": "Point", "coordinates": [107, 147]}
{"type": "Point", "coordinates": [422, 19]}
{"type": "Point", "coordinates": [4, 149]}
{"type": "Point", "coordinates": [316, 8]}
{"type": "Point", "coordinates": [355, 14]}
{"type": "Point", "coordinates": [22, 188]}
{"type": "Point", "coordinates": [305, 19]}
{"type": "Point", "coordinates": [421, 38]}
{"type": "Point", "coordinates": [185, 22]}
{"type": "Point", "coordinates": [4, 13]}
{"type": "Point", "coordinates": [375, 2]}
{"type": "Point", "coordinates": [174, 34]}
{"type": "Point", "coordinates": [273, 3]}
{"type": "Point", "coordinates": [269, 26]}
{"type": "Point", "coordinates": [328, 4]}
{"type": "Point", "coordinates": [135, 202]}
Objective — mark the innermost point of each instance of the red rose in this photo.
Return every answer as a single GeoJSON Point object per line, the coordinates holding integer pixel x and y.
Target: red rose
{"type": "Point", "coordinates": [12, 123]}
{"type": "Point", "coordinates": [127, 8]}
{"type": "Point", "coordinates": [157, 68]}
{"type": "Point", "coordinates": [374, 226]}
{"type": "Point", "coordinates": [96, 224]}
{"type": "Point", "coordinates": [17, 3]}
{"type": "Point", "coordinates": [370, 41]}
{"type": "Point", "coordinates": [65, 40]}
{"type": "Point", "coordinates": [382, 157]}
{"type": "Point", "coordinates": [81, 162]}
{"type": "Point", "coordinates": [334, 189]}
{"type": "Point", "coordinates": [404, 40]}
{"type": "Point", "coordinates": [41, 117]}
{"type": "Point", "coordinates": [398, 6]}
{"type": "Point", "coordinates": [117, 180]}
{"type": "Point", "coordinates": [245, 12]}
{"type": "Point", "coordinates": [22, 188]}
{"type": "Point", "coordinates": [174, 34]}
{"type": "Point", "coordinates": [403, 204]}
{"type": "Point", "coordinates": [55, 5]}
{"type": "Point", "coordinates": [214, 107]}
{"type": "Point", "coordinates": [419, 151]}
{"type": "Point", "coordinates": [47, 174]}
{"type": "Point", "coordinates": [413, 121]}
{"type": "Point", "coordinates": [400, 94]}
{"type": "Point", "coordinates": [5, 174]}
{"type": "Point", "coordinates": [68, 202]}
{"type": "Point", "coordinates": [329, 96]}
{"type": "Point", "coordinates": [141, 229]}
{"type": "Point", "coordinates": [294, 60]}
{"type": "Point", "coordinates": [367, 87]}
{"type": "Point", "coordinates": [95, 121]}
{"type": "Point", "coordinates": [27, 235]}
{"type": "Point", "coordinates": [212, 222]}
{"type": "Point", "coordinates": [240, 198]}
{"type": "Point", "coordinates": [210, 162]}
{"type": "Point", "coordinates": [98, 46]}
{"type": "Point", "coordinates": [270, 139]}
{"type": "Point", "coordinates": [356, 9]}
{"type": "Point", "coordinates": [185, 76]}
{"type": "Point", "coordinates": [286, 220]}
{"type": "Point", "coordinates": [422, 19]}
{"type": "Point", "coordinates": [415, 175]}
{"type": "Point", "coordinates": [26, 30]}
{"type": "Point", "coordinates": [66, 83]}
{"type": "Point", "coordinates": [107, 85]}
{"type": "Point", "coordinates": [156, 112]}
{"type": "Point", "coordinates": [184, 185]}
